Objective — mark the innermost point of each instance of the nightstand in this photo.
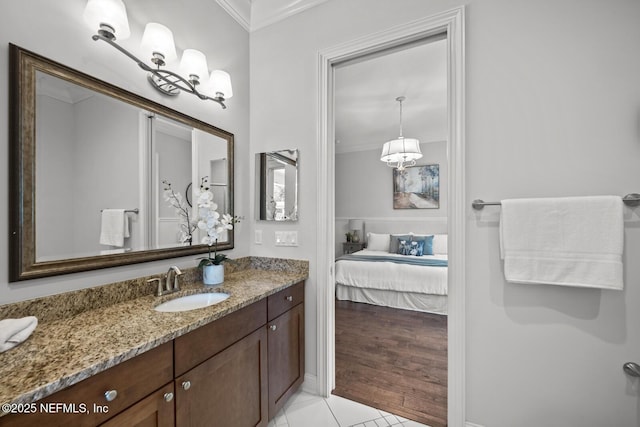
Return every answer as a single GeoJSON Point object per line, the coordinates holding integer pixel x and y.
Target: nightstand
{"type": "Point", "coordinates": [351, 247]}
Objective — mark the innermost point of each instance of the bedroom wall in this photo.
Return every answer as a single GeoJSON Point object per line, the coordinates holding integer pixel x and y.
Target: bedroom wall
{"type": "Point", "coordinates": [55, 29]}
{"type": "Point", "coordinates": [364, 190]}
{"type": "Point", "coordinates": [552, 109]}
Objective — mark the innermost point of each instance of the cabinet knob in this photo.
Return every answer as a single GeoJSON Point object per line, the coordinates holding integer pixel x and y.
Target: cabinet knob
{"type": "Point", "coordinates": [186, 385]}
{"type": "Point", "coordinates": [273, 327]}
{"type": "Point", "coordinates": [110, 395]}
{"type": "Point", "coordinates": [168, 397]}
{"type": "Point", "coordinates": [289, 298]}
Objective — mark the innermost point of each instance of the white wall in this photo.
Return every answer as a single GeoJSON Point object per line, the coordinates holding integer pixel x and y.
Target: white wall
{"type": "Point", "coordinates": [56, 30]}
{"type": "Point", "coordinates": [553, 99]}
{"type": "Point", "coordinates": [103, 180]}
{"type": "Point", "coordinates": [54, 157]}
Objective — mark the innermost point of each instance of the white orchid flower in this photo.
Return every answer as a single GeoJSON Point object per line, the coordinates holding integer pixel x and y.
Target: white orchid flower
{"type": "Point", "coordinates": [205, 199]}
{"type": "Point", "coordinates": [206, 240]}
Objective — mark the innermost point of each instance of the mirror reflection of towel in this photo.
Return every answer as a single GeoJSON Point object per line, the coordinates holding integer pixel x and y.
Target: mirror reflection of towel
{"type": "Point", "coordinates": [114, 251]}
{"type": "Point", "coordinates": [115, 227]}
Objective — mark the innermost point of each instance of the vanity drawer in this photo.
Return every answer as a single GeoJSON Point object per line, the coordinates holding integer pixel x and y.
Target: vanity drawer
{"type": "Point", "coordinates": [199, 345]}
{"type": "Point", "coordinates": [284, 300]}
{"type": "Point", "coordinates": [85, 403]}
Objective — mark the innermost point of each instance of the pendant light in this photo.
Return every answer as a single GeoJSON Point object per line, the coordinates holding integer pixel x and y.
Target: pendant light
{"type": "Point", "coordinates": [401, 152]}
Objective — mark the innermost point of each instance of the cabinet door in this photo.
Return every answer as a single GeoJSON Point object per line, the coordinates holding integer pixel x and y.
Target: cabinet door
{"type": "Point", "coordinates": [286, 357]}
{"type": "Point", "coordinates": [156, 410]}
{"type": "Point", "coordinates": [229, 389]}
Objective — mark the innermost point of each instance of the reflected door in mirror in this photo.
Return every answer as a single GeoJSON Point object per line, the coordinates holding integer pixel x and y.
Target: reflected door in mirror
{"type": "Point", "coordinates": [278, 185]}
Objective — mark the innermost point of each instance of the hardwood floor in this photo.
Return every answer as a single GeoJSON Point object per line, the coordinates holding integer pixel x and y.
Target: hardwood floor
{"type": "Point", "coordinates": [394, 360]}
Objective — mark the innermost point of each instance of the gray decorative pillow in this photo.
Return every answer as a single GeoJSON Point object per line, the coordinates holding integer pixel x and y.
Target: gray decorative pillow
{"type": "Point", "coordinates": [394, 241]}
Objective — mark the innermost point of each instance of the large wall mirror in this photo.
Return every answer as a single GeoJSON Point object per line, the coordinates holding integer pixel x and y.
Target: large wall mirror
{"type": "Point", "coordinates": [277, 173]}
{"type": "Point", "coordinates": [100, 177]}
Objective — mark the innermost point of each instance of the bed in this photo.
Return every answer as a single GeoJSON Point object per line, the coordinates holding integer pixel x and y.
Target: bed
{"type": "Point", "coordinates": [380, 275]}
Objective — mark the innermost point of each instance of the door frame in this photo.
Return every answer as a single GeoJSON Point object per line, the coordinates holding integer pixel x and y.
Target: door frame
{"type": "Point", "coordinates": [452, 22]}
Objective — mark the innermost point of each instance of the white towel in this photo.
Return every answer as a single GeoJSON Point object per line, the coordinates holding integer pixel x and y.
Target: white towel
{"type": "Point", "coordinates": [15, 331]}
{"type": "Point", "coordinates": [573, 241]}
{"type": "Point", "coordinates": [115, 227]}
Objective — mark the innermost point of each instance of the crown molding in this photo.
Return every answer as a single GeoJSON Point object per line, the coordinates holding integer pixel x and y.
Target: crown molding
{"type": "Point", "coordinates": [240, 10]}
{"type": "Point", "coordinates": [255, 14]}
{"type": "Point", "coordinates": [267, 12]}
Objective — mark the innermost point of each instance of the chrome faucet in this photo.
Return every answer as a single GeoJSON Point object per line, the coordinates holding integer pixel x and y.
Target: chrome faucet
{"type": "Point", "coordinates": [169, 286]}
{"type": "Point", "coordinates": [175, 272]}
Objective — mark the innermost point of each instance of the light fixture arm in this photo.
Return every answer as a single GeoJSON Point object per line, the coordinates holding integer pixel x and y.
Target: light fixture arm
{"type": "Point", "coordinates": [161, 77]}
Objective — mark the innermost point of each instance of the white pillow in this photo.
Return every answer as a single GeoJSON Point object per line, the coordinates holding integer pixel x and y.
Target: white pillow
{"type": "Point", "coordinates": [377, 242]}
{"type": "Point", "coordinates": [439, 244]}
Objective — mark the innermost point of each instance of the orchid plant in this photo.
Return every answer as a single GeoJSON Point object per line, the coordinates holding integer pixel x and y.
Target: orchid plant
{"type": "Point", "coordinates": [212, 222]}
{"type": "Point", "coordinates": [187, 227]}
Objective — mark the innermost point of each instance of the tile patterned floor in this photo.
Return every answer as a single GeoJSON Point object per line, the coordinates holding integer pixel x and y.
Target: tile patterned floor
{"type": "Point", "coordinates": [308, 410]}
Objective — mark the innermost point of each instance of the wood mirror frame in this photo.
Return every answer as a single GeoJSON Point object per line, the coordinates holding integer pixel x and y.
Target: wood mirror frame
{"type": "Point", "coordinates": [22, 169]}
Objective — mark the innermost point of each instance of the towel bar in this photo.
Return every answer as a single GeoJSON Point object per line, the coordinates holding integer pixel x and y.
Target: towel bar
{"type": "Point", "coordinates": [631, 199]}
{"type": "Point", "coordinates": [135, 211]}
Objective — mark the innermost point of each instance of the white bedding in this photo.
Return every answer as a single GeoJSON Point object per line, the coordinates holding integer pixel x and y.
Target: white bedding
{"type": "Point", "coordinates": [392, 276]}
{"type": "Point", "coordinates": [436, 304]}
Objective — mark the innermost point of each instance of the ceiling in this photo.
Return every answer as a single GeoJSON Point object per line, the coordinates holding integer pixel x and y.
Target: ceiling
{"type": "Point", "coordinates": [366, 111]}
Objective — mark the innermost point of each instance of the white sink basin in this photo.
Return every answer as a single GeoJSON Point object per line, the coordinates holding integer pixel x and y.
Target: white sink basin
{"type": "Point", "coordinates": [192, 302]}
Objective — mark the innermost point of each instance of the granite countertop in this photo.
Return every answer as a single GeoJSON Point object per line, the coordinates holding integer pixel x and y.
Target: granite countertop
{"type": "Point", "coordinates": [65, 349]}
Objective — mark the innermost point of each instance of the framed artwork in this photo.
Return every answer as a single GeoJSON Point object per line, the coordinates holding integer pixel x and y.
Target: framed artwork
{"type": "Point", "coordinates": [417, 187]}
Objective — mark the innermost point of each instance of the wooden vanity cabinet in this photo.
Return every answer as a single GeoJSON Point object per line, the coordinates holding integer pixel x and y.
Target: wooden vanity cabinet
{"type": "Point", "coordinates": [285, 330]}
{"type": "Point", "coordinates": [229, 389]}
{"type": "Point", "coordinates": [86, 403]}
{"type": "Point", "coordinates": [222, 370]}
{"type": "Point", "coordinates": [236, 371]}
{"type": "Point", "coordinates": [155, 410]}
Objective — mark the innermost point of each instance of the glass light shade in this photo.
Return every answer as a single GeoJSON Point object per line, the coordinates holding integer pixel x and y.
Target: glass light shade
{"type": "Point", "coordinates": [194, 62]}
{"type": "Point", "coordinates": [401, 150]}
{"type": "Point", "coordinates": [220, 81]}
{"type": "Point", "coordinates": [110, 12]}
{"type": "Point", "coordinates": [158, 38]}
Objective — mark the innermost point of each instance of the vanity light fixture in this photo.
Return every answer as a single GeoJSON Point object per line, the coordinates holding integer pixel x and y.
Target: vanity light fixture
{"type": "Point", "coordinates": [402, 152]}
{"type": "Point", "coordinates": [110, 18]}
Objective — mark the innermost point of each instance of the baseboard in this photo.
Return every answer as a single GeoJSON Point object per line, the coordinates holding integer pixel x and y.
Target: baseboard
{"type": "Point", "coordinates": [310, 384]}
{"type": "Point", "coordinates": [468, 424]}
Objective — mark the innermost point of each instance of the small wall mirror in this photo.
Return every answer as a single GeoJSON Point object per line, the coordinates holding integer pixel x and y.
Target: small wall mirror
{"type": "Point", "coordinates": [82, 149]}
{"type": "Point", "coordinates": [278, 185]}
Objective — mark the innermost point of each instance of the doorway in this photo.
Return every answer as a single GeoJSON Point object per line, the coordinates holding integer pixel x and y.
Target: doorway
{"type": "Point", "coordinates": [451, 23]}
{"type": "Point", "coordinates": [390, 316]}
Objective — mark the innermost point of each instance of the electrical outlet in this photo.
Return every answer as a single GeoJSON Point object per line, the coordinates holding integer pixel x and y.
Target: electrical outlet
{"type": "Point", "coordinates": [257, 237]}
{"type": "Point", "coordinates": [292, 238]}
{"type": "Point", "coordinates": [286, 238]}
